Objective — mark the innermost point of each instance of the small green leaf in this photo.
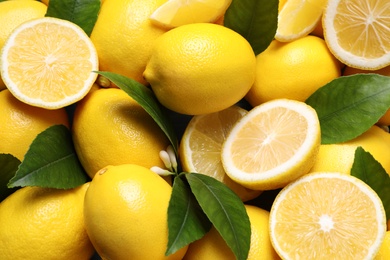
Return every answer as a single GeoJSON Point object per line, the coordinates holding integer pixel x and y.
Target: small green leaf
{"type": "Point", "coordinates": [369, 170]}
{"type": "Point", "coordinates": [255, 20]}
{"type": "Point", "coordinates": [8, 167]}
{"type": "Point", "coordinates": [50, 162]}
{"type": "Point", "coordinates": [84, 13]}
{"type": "Point", "coordinates": [225, 210]}
{"type": "Point", "coordinates": [349, 105]}
{"type": "Point", "coordinates": [145, 97]}
{"type": "Point", "coordinates": [186, 220]}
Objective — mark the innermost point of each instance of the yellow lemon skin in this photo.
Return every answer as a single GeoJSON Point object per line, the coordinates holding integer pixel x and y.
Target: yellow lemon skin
{"type": "Point", "coordinates": [340, 157]}
{"type": "Point", "coordinates": [293, 70]}
{"type": "Point", "coordinates": [384, 250]}
{"type": "Point", "coordinates": [42, 223]}
{"type": "Point", "coordinates": [124, 36]}
{"type": "Point", "coordinates": [200, 68]}
{"type": "Point", "coordinates": [111, 128]}
{"type": "Point", "coordinates": [212, 246]}
{"type": "Point", "coordinates": [126, 213]}
{"type": "Point", "coordinates": [21, 123]}
{"type": "Point", "coordinates": [14, 13]}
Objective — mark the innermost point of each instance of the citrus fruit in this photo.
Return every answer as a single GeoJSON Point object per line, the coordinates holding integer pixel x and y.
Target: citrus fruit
{"type": "Point", "coordinates": [272, 145]}
{"type": "Point", "coordinates": [49, 63]}
{"type": "Point", "coordinates": [200, 68]}
{"type": "Point", "coordinates": [125, 213]}
{"type": "Point", "coordinates": [306, 65]}
{"type": "Point", "coordinates": [357, 31]}
{"type": "Point", "coordinates": [111, 128]}
{"type": "Point", "coordinates": [42, 223]}
{"type": "Point", "coordinates": [201, 144]}
{"type": "Point", "coordinates": [13, 13]}
{"type": "Point", "coordinates": [21, 123]}
{"type": "Point", "coordinates": [298, 18]}
{"type": "Point", "coordinates": [212, 246]}
{"type": "Point", "coordinates": [384, 250]}
{"type": "Point", "coordinates": [175, 13]}
{"type": "Point", "coordinates": [339, 157]}
{"type": "Point", "coordinates": [124, 36]}
{"type": "Point", "coordinates": [327, 216]}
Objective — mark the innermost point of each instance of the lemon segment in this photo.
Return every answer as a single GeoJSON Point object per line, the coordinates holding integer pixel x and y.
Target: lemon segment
{"type": "Point", "coordinates": [274, 144]}
{"type": "Point", "coordinates": [175, 13]}
{"type": "Point", "coordinates": [335, 216]}
{"type": "Point", "coordinates": [49, 63]}
{"type": "Point", "coordinates": [357, 32]}
{"type": "Point", "coordinates": [298, 18]}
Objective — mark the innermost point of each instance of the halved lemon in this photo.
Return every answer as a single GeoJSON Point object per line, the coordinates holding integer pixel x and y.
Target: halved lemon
{"type": "Point", "coordinates": [174, 13]}
{"type": "Point", "coordinates": [357, 32]}
{"type": "Point", "coordinates": [327, 216]}
{"type": "Point", "coordinates": [298, 18]}
{"type": "Point", "coordinates": [274, 144]}
{"type": "Point", "coordinates": [49, 63]}
{"type": "Point", "coordinates": [201, 144]}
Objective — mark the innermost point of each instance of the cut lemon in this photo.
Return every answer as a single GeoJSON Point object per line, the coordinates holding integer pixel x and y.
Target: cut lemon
{"type": "Point", "coordinates": [298, 18]}
{"type": "Point", "coordinates": [357, 32]}
{"type": "Point", "coordinates": [200, 147]}
{"type": "Point", "coordinates": [49, 63]}
{"type": "Point", "coordinates": [272, 145]}
{"type": "Point", "coordinates": [327, 216]}
{"type": "Point", "coordinates": [174, 13]}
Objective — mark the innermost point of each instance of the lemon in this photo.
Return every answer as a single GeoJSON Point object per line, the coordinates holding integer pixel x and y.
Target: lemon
{"type": "Point", "coordinates": [56, 55]}
{"type": "Point", "coordinates": [21, 123]}
{"type": "Point", "coordinates": [306, 65]}
{"type": "Point", "coordinates": [357, 31]}
{"type": "Point", "coordinates": [42, 223]}
{"type": "Point", "coordinates": [201, 144]}
{"type": "Point", "coordinates": [327, 216]}
{"type": "Point", "coordinates": [175, 13]}
{"type": "Point", "coordinates": [200, 68]}
{"type": "Point", "coordinates": [111, 128]}
{"type": "Point", "coordinates": [298, 18]}
{"type": "Point", "coordinates": [14, 13]}
{"type": "Point", "coordinates": [126, 213]}
{"type": "Point", "coordinates": [272, 145]}
{"type": "Point", "coordinates": [340, 157]}
{"type": "Point", "coordinates": [384, 250]}
{"type": "Point", "coordinates": [124, 36]}
{"type": "Point", "coordinates": [212, 246]}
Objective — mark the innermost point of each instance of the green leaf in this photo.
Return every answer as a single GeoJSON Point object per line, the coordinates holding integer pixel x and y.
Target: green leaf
{"type": "Point", "coordinates": [186, 220]}
{"type": "Point", "coordinates": [369, 170]}
{"type": "Point", "coordinates": [255, 20]}
{"type": "Point", "coordinates": [349, 105]}
{"type": "Point", "coordinates": [84, 13]}
{"type": "Point", "coordinates": [146, 98]}
{"type": "Point", "coordinates": [225, 210]}
{"type": "Point", "coordinates": [8, 167]}
{"type": "Point", "coordinates": [50, 162]}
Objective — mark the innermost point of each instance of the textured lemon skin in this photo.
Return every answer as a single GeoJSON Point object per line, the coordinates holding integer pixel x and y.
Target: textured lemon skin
{"type": "Point", "coordinates": [14, 13]}
{"type": "Point", "coordinates": [293, 70]}
{"type": "Point", "coordinates": [200, 68]}
{"type": "Point", "coordinates": [41, 223]}
{"type": "Point", "coordinates": [21, 123]}
{"type": "Point", "coordinates": [126, 213]}
{"type": "Point", "coordinates": [124, 36]}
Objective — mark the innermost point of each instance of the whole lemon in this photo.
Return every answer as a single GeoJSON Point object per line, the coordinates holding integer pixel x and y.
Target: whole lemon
{"type": "Point", "coordinates": [125, 213]}
{"type": "Point", "coordinates": [384, 250]}
{"type": "Point", "coordinates": [200, 68]}
{"type": "Point", "coordinates": [42, 223]}
{"type": "Point", "coordinates": [111, 128]}
{"type": "Point", "coordinates": [21, 123]}
{"type": "Point", "coordinates": [212, 246]}
{"type": "Point", "coordinates": [14, 13]}
{"type": "Point", "coordinates": [124, 36]}
{"type": "Point", "coordinates": [340, 157]}
{"type": "Point", "coordinates": [293, 70]}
